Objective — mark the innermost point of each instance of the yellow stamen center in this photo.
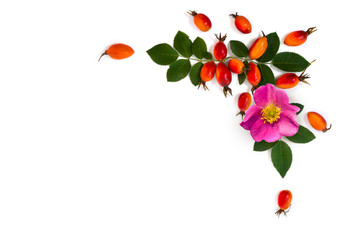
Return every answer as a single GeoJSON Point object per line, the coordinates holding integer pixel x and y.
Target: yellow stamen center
{"type": "Point", "coordinates": [270, 113]}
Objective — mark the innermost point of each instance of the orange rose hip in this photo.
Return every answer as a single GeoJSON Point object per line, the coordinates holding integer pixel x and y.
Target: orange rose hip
{"type": "Point", "coordinates": [242, 24]}
{"type": "Point", "coordinates": [297, 38]}
{"type": "Point", "coordinates": [118, 51]}
{"type": "Point", "coordinates": [317, 121]}
{"type": "Point", "coordinates": [258, 48]}
{"type": "Point", "coordinates": [207, 73]}
{"type": "Point", "coordinates": [201, 21]}
{"type": "Point", "coordinates": [253, 75]}
{"type": "Point", "coordinates": [236, 66]}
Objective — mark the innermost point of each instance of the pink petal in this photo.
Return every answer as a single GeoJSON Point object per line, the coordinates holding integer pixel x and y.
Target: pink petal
{"type": "Point", "coordinates": [287, 124]}
{"type": "Point", "coordinates": [281, 98]}
{"type": "Point", "coordinates": [265, 131]}
{"type": "Point", "coordinates": [289, 107]}
{"type": "Point", "coordinates": [252, 115]}
{"type": "Point", "coordinates": [265, 95]}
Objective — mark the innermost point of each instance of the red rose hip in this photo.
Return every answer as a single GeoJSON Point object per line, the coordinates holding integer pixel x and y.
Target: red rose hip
{"type": "Point", "coordinates": [290, 80]}
{"type": "Point", "coordinates": [220, 50]}
{"type": "Point", "coordinates": [244, 102]}
{"type": "Point", "coordinates": [223, 76]}
{"type": "Point", "coordinates": [284, 201]}
{"type": "Point", "coordinates": [297, 38]}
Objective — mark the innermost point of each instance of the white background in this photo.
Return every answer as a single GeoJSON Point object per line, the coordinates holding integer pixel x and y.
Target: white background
{"type": "Point", "coordinates": [110, 150]}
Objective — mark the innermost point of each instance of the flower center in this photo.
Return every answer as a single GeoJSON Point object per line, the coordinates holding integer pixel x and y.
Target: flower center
{"type": "Point", "coordinates": [270, 113]}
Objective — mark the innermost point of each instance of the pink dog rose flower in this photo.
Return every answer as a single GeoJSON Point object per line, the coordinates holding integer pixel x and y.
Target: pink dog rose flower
{"type": "Point", "coordinates": [272, 116]}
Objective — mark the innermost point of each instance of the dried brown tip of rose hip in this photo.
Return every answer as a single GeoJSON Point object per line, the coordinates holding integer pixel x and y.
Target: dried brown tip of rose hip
{"type": "Point", "coordinates": [193, 13]}
{"type": "Point", "coordinates": [220, 38]}
{"type": "Point", "coordinates": [227, 90]}
{"type": "Point", "coordinates": [326, 129]}
{"type": "Point", "coordinates": [311, 30]}
{"type": "Point", "coordinates": [233, 15]}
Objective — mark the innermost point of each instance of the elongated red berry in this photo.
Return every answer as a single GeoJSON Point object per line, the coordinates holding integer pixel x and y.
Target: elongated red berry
{"type": "Point", "coordinates": [258, 48]}
{"type": "Point", "coordinates": [317, 121]}
{"type": "Point", "coordinates": [253, 75]}
{"type": "Point", "coordinates": [236, 66]}
{"type": "Point", "coordinates": [207, 73]}
{"type": "Point", "coordinates": [223, 76]}
{"type": "Point", "coordinates": [118, 51]}
{"type": "Point", "coordinates": [244, 102]}
{"type": "Point", "coordinates": [220, 49]}
{"type": "Point", "coordinates": [201, 21]}
{"type": "Point", "coordinates": [284, 201]}
{"type": "Point", "coordinates": [242, 23]}
{"type": "Point", "coordinates": [290, 80]}
{"type": "Point", "coordinates": [297, 38]}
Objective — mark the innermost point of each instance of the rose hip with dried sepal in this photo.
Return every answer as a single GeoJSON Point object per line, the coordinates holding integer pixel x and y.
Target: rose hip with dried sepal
{"type": "Point", "coordinates": [290, 80]}
{"type": "Point", "coordinates": [284, 202]}
{"type": "Point", "coordinates": [236, 66]}
{"type": "Point", "coordinates": [253, 75]}
{"type": "Point", "coordinates": [317, 121]}
{"type": "Point", "coordinates": [223, 76]}
{"type": "Point", "coordinates": [242, 24]}
{"type": "Point", "coordinates": [201, 21]}
{"type": "Point", "coordinates": [207, 73]}
{"type": "Point", "coordinates": [243, 103]}
{"type": "Point", "coordinates": [258, 47]}
{"type": "Point", "coordinates": [220, 49]}
{"type": "Point", "coordinates": [118, 51]}
{"type": "Point", "coordinates": [297, 38]}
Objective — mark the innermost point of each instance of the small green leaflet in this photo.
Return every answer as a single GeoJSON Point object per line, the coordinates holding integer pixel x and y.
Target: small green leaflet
{"type": "Point", "coordinates": [199, 48]}
{"type": "Point", "coordinates": [238, 48]}
{"type": "Point", "coordinates": [183, 44]}
{"type": "Point", "coordinates": [290, 62]}
{"type": "Point", "coordinates": [281, 156]}
{"type": "Point", "coordinates": [267, 75]}
{"type": "Point", "coordinates": [194, 74]}
{"type": "Point", "coordinates": [178, 70]}
{"type": "Point", "coordinates": [163, 54]}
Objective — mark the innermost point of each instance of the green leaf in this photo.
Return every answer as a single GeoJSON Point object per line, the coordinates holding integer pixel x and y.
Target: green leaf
{"type": "Point", "coordinates": [267, 75]}
{"type": "Point", "coordinates": [241, 77]}
{"type": "Point", "coordinates": [199, 48]}
{"type": "Point", "coordinates": [263, 146]}
{"type": "Point", "coordinates": [194, 74]}
{"type": "Point", "coordinates": [163, 54]}
{"type": "Point", "coordinates": [178, 70]}
{"type": "Point", "coordinates": [272, 48]}
{"type": "Point", "coordinates": [208, 55]}
{"type": "Point", "coordinates": [281, 156]}
{"type": "Point", "coordinates": [290, 62]}
{"type": "Point", "coordinates": [299, 106]}
{"type": "Point", "coordinates": [238, 48]}
{"type": "Point", "coordinates": [183, 44]}
{"type": "Point", "coordinates": [302, 136]}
